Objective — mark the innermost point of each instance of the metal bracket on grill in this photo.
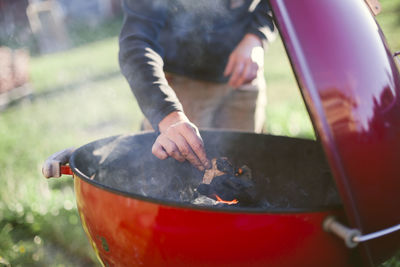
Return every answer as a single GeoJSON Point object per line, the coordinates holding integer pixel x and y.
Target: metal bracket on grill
{"type": "Point", "coordinates": [352, 237]}
{"type": "Point", "coordinates": [396, 55]}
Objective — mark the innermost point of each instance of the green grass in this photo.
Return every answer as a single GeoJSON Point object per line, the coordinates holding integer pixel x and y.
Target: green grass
{"type": "Point", "coordinates": [35, 209]}
{"type": "Point", "coordinates": [389, 20]}
{"type": "Point", "coordinates": [82, 97]}
{"type": "Point", "coordinates": [286, 112]}
{"type": "Point", "coordinates": [81, 64]}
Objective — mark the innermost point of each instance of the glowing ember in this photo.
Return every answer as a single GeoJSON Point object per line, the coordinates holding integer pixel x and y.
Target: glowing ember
{"type": "Point", "coordinates": [226, 202]}
{"type": "Point", "coordinates": [239, 172]}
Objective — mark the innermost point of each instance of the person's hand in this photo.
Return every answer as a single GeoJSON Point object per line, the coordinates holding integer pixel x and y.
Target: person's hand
{"type": "Point", "coordinates": [245, 61]}
{"type": "Point", "coordinates": [180, 139]}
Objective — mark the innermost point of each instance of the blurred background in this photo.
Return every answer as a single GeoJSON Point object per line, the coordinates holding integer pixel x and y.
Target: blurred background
{"type": "Point", "coordinates": [60, 87]}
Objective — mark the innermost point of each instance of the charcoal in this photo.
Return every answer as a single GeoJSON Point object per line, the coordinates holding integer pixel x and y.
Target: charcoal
{"type": "Point", "coordinates": [206, 190]}
{"type": "Point", "coordinates": [224, 165]}
{"type": "Point", "coordinates": [244, 172]}
{"type": "Point", "coordinates": [231, 184]}
{"type": "Point", "coordinates": [229, 188]}
{"type": "Point", "coordinates": [217, 167]}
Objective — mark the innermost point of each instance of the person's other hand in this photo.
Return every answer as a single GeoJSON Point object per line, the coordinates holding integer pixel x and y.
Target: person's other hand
{"type": "Point", "coordinates": [180, 139]}
{"type": "Point", "coordinates": [245, 61]}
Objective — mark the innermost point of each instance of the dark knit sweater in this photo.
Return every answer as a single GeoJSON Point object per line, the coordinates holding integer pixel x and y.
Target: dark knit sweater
{"type": "Point", "coordinates": [188, 37]}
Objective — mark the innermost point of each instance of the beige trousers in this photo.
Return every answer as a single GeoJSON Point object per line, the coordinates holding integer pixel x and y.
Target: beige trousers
{"type": "Point", "coordinates": [215, 105]}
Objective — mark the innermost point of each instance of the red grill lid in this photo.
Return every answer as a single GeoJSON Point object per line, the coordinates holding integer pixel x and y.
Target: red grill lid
{"type": "Point", "coordinates": [351, 87]}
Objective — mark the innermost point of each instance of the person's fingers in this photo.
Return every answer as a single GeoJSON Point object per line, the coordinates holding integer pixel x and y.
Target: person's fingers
{"type": "Point", "coordinates": [229, 65]}
{"type": "Point", "coordinates": [187, 152]}
{"type": "Point", "coordinates": [244, 76]}
{"type": "Point", "coordinates": [238, 69]}
{"type": "Point", "coordinates": [159, 151]}
{"type": "Point", "coordinates": [193, 138]}
{"type": "Point", "coordinates": [182, 141]}
{"type": "Point", "coordinates": [171, 148]}
{"type": "Point", "coordinates": [249, 73]}
{"type": "Point", "coordinates": [254, 71]}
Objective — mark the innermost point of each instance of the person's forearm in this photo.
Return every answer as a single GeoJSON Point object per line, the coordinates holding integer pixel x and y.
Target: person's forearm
{"type": "Point", "coordinates": [154, 96]}
{"type": "Point", "coordinates": [141, 60]}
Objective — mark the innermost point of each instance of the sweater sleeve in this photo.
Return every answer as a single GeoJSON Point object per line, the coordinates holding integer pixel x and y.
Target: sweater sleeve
{"type": "Point", "coordinates": [262, 24]}
{"type": "Point", "coordinates": [140, 58]}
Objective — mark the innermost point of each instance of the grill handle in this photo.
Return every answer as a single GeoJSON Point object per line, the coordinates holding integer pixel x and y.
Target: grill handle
{"type": "Point", "coordinates": [56, 164]}
{"type": "Point", "coordinates": [352, 237]}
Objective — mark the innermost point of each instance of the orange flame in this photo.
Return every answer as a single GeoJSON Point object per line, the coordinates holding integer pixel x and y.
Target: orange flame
{"type": "Point", "coordinates": [226, 202]}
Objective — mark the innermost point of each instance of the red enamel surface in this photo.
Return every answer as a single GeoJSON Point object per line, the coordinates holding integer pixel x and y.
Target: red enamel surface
{"type": "Point", "coordinates": [142, 232]}
{"type": "Point", "coordinates": [351, 86]}
{"type": "Point", "coordinates": [66, 170]}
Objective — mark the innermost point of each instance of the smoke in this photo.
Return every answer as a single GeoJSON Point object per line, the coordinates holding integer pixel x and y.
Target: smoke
{"type": "Point", "coordinates": [287, 172]}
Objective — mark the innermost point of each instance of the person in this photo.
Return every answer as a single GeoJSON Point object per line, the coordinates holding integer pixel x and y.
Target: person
{"type": "Point", "coordinates": [195, 63]}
